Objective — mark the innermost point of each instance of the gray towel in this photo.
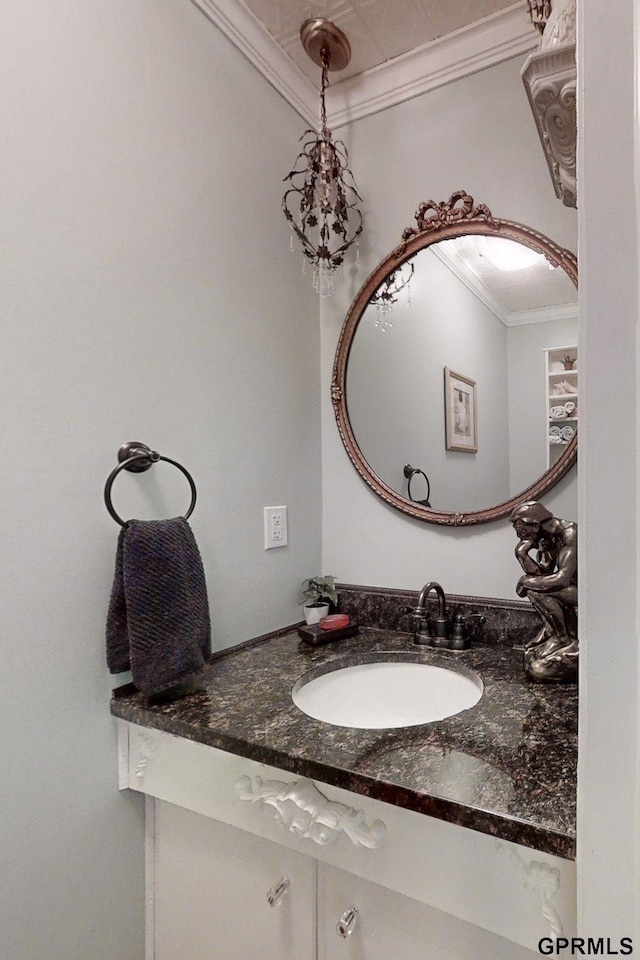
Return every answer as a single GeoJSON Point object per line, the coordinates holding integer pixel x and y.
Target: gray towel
{"type": "Point", "coordinates": [158, 619]}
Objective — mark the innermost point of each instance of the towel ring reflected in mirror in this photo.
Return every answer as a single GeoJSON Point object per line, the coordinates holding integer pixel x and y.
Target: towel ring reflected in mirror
{"type": "Point", "coordinates": [136, 458]}
{"type": "Point", "coordinates": [411, 472]}
{"type": "Point", "coordinates": [370, 375]}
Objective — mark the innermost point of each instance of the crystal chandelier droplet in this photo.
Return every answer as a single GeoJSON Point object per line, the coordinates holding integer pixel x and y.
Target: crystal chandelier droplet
{"type": "Point", "coordinates": [387, 295]}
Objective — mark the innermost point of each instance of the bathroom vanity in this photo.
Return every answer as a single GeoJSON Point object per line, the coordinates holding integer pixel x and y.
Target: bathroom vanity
{"type": "Point", "coordinates": [271, 834]}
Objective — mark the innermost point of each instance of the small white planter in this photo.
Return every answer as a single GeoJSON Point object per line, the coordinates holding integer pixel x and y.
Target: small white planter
{"type": "Point", "coordinates": [313, 613]}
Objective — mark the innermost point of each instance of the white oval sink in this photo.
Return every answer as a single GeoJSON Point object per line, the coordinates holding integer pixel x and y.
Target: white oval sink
{"type": "Point", "coordinates": [386, 694]}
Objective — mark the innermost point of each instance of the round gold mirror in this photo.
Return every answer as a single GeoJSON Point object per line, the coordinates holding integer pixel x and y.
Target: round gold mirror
{"type": "Point", "coordinates": [455, 381]}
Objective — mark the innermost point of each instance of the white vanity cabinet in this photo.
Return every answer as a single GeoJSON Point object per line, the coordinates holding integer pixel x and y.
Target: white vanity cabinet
{"type": "Point", "coordinates": [388, 924]}
{"type": "Point", "coordinates": [223, 830]}
{"type": "Point", "coordinates": [218, 892]}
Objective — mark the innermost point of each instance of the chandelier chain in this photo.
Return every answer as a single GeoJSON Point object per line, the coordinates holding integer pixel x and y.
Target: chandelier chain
{"type": "Point", "coordinates": [325, 57]}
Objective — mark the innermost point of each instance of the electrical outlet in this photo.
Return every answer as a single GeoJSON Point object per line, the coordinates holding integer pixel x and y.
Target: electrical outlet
{"type": "Point", "coordinates": [275, 527]}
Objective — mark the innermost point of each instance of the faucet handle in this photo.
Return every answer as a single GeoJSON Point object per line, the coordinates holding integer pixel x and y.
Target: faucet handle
{"type": "Point", "coordinates": [460, 637]}
{"type": "Point", "coordinates": [422, 634]}
{"type": "Point", "coordinates": [418, 614]}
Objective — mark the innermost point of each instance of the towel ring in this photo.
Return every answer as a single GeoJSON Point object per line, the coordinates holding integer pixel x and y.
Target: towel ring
{"type": "Point", "coordinates": [136, 458]}
{"type": "Point", "coordinates": [410, 473]}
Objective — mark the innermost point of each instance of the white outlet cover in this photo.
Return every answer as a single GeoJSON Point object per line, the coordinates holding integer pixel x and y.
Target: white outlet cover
{"type": "Point", "coordinates": [275, 527]}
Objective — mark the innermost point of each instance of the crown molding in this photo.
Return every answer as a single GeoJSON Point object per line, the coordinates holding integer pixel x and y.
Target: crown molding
{"type": "Point", "coordinates": [562, 311]}
{"type": "Point", "coordinates": [500, 37]}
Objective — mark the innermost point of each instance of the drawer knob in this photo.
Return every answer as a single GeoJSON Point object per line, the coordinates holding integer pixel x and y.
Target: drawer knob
{"type": "Point", "coordinates": [277, 893]}
{"type": "Point", "coordinates": [347, 922]}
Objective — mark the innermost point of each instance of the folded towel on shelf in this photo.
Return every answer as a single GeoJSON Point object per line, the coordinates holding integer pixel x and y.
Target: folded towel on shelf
{"type": "Point", "coordinates": [569, 407]}
{"type": "Point", "coordinates": [558, 413]}
{"type": "Point", "coordinates": [567, 433]}
{"type": "Point", "coordinates": [554, 431]}
{"type": "Point", "coordinates": [555, 438]}
{"type": "Point", "coordinates": [158, 620]}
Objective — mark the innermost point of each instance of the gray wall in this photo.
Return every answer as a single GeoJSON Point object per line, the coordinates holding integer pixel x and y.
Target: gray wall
{"type": "Point", "coordinates": [478, 134]}
{"type": "Point", "coordinates": [148, 293]}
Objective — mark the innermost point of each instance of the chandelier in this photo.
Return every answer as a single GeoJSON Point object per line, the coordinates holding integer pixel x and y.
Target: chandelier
{"type": "Point", "coordinates": [320, 203]}
{"type": "Point", "coordinates": [540, 11]}
{"type": "Point", "coordinates": [386, 296]}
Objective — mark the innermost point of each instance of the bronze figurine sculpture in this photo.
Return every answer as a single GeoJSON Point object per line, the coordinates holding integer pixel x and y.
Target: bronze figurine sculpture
{"type": "Point", "coordinates": [550, 581]}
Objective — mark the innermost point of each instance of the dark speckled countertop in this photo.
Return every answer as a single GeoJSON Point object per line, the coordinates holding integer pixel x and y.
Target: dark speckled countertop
{"type": "Point", "coordinates": [505, 767]}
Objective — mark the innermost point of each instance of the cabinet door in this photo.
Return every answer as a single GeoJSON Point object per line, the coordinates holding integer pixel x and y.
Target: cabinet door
{"type": "Point", "coordinates": [208, 885]}
{"type": "Point", "coordinates": [388, 924]}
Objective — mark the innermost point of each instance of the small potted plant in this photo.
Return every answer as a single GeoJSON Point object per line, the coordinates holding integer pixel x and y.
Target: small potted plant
{"type": "Point", "coordinates": [318, 593]}
{"type": "Point", "coordinates": [568, 361]}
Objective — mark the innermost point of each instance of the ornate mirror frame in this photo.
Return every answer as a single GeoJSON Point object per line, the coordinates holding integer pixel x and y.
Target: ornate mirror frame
{"type": "Point", "coordinates": [454, 217]}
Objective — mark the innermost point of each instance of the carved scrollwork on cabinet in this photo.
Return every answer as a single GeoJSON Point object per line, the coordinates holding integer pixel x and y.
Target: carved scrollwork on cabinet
{"type": "Point", "coordinates": [302, 809]}
{"type": "Point", "coordinates": [544, 881]}
{"type": "Point", "coordinates": [142, 755]}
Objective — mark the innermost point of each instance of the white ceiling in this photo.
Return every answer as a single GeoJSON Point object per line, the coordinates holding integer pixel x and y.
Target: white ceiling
{"type": "Point", "coordinates": [533, 293]}
{"type": "Point", "coordinates": [378, 30]}
{"type": "Point", "coordinates": [400, 48]}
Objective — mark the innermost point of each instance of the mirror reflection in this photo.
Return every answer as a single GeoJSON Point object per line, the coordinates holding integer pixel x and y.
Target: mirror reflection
{"type": "Point", "coordinates": [496, 320]}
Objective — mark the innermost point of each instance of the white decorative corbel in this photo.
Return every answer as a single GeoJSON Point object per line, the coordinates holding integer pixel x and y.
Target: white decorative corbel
{"type": "Point", "coordinates": [542, 879]}
{"type": "Point", "coordinates": [142, 752]}
{"type": "Point", "coordinates": [302, 809]}
{"type": "Point", "coordinates": [549, 77]}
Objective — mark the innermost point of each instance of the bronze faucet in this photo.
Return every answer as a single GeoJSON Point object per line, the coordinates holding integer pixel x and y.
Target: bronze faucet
{"type": "Point", "coordinates": [423, 635]}
{"type": "Point", "coordinates": [438, 632]}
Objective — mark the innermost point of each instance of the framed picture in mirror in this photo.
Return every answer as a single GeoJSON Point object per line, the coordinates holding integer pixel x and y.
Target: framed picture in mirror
{"type": "Point", "coordinates": [460, 412]}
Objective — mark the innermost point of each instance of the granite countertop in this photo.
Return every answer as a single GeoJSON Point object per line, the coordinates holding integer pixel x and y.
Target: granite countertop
{"type": "Point", "coordinates": [505, 767]}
